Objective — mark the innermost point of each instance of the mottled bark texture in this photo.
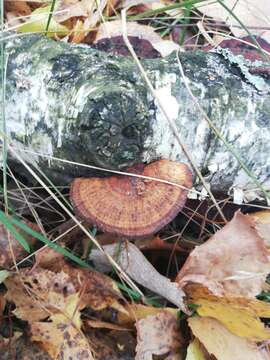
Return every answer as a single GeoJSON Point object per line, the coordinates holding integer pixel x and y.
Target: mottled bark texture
{"type": "Point", "coordinates": [80, 104]}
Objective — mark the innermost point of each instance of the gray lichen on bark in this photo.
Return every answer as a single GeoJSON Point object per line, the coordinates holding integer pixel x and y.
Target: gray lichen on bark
{"type": "Point", "coordinates": [80, 104]}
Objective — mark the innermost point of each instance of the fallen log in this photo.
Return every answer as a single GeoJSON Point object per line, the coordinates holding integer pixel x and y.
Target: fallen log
{"type": "Point", "coordinates": [83, 105]}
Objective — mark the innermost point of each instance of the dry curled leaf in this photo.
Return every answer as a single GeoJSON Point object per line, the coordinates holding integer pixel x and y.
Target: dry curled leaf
{"type": "Point", "coordinates": [98, 291]}
{"type": "Point", "coordinates": [48, 258]}
{"type": "Point", "coordinates": [262, 223]}
{"type": "Point", "coordinates": [66, 9]}
{"type": "Point", "coordinates": [62, 338]}
{"type": "Point", "coordinates": [112, 345]}
{"type": "Point", "coordinates": [18, 8]}
{"type": "Point", "coordinates": [233, 262]}
{"type": "Point", "coordinates": [134, 263]}
{"type": "Point", "coordinates": [223, 344]}
{"type": "Point", "coordinates": [240, 316]}
{"type": "Point", "coordinates": [158, 335]}
{"type": "Point", "coordinates": [39, 293]}
{"type": "Point", "coordinates": [137, 312]}
{"type": "Point", "coordinates": [22, 348]}
{"type": "Point", "coordinates": [115, 28]}
{"type": "Point", "coordinates": [244, 13]}
{"type": "Point", "coordinates": [14, 11]}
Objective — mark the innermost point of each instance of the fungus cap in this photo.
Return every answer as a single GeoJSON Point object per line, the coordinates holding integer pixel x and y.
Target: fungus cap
{"type": "Point", "coordinates": [132, 206]}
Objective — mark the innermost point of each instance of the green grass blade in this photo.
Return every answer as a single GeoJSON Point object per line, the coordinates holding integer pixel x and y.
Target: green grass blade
{"type": "Point", "coordinates": [46, 241]}
{"type": "Point", "coordinates": [50, 16]}
{"type": "Point", "coordinates": [7, 222]}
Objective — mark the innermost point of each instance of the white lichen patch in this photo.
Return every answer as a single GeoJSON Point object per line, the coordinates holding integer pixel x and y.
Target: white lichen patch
{"type": "Point", "coordinates": [243, 65]}
{"type": "Point", "coordinates": [61, 126]}
{"type": "Point", "coordinates": [163, 143]}
{"type": "Point", "coordinates": [168, 101]}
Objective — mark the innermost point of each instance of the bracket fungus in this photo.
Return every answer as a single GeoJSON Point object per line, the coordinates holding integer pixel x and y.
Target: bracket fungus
{"type": "Point", "coordinates": [133, 206]}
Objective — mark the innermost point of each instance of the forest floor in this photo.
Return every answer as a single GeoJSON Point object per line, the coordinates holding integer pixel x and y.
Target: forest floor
{"type": "Point", "coordinates": [196, 289]}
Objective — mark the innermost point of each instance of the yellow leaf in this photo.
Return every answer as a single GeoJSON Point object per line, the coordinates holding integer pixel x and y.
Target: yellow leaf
{"type": "Point", "coordinates": [38, 293]}
{"type": "Point", "coordinates": [239, 315]}
{"type": "Point", "coordinates": [38, 22]}
{"type": "Point", "coordinates": [221, 343]}
{"type": "Point", "coordinates": [70, 313]}
{"type": "Point", "coordinates": [62, 338]}
{"type": "Point", "coordinates": [137, 312]}
{"type": "Point", "coordinates": [194, 351]}
{"type": "Point", "coordinates": [63, 341]}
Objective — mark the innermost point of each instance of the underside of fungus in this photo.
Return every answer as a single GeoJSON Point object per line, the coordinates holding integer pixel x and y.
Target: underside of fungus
{"type": "Point", "coordinates": [133, 206]}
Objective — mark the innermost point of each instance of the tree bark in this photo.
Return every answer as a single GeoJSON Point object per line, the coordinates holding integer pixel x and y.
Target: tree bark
{"type": "Point", "coordinates": [76, 103]}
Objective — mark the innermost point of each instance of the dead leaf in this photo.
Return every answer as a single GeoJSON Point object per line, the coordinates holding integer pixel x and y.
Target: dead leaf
{"type": "Point", "coordinates": [62, 338]}
{"type": "Point", "coordinates": [98, 324]}
{"type": "Point", "coordinates": [262, 223]}
{"type": "Point", "coordinates": [158, 335]}
{"type": "Point", "coordinates": [136, 312]}
{"type": "Point", "coordinates": [78, 33]}
{"type": "Point", "coordinates": [241, 316]}
{"type": "Point", "coordinates": [16, 12]}
{"type": "Point", "coordinates": [112, 345]}
{"type": "Point", "coordinates": [38, 294]}
{"type": "Point", "coordinates": [156, 243]}
{"type": "Point", "coordinates": [252, 14]}
{"type": "Point", "coordinates": [111, 7]}
{"type": "Point", "coordinates": [233, 262]}
{"type": "Point", "coordinates": [89, 14]}
{"type": "Point", "coordinates": [98, 291]}
{"type": "Point", "coordinates": [261, 217]}
{"type": "Point", "coordinates": [147, 3]}
{"type": "Point", "coordinates": [66, 9]}
{"type": "Point", "coordinates": [223, 344]}
{"type": "Point", "coordinates": [20, 347]}
{"type": "Point", "coordinates": [195, 351]}
{"type": "Point", "coordinates": [115, 28]}
{"type": "Point", "coordinates": [134, 263]}
{"type": "Point", "coordinates": [117, 46]}
{"type": "Point", "coordinates": [49, 259]}
{"type": "Point", "coordinates": [17, 8]}
{"type": "Point", "coordinates": [47, 290]}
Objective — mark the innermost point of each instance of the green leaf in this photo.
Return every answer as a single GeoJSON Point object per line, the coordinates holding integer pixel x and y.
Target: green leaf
{"type": "Point", "coordinates": [38, 23]}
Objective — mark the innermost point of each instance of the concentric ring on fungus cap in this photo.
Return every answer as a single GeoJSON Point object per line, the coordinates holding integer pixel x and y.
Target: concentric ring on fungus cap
{"type": "Point", "coordinates": [130, 206]}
